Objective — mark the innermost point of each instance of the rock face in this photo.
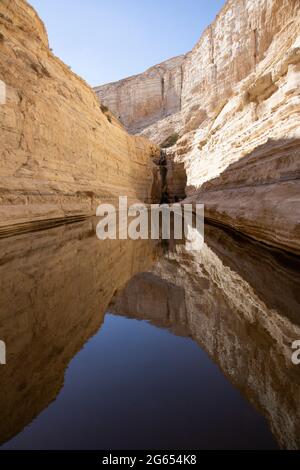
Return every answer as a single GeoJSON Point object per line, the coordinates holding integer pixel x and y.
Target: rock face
{"type": "Point", "coordinates": [141, 100]}
{"type": "Point", "coordinates": [2, 93]}
{"type": "Point", "coordinates": [239, 120]}
{"type": "Point", "coordinates": [173, 177]}
{"type": "Point", "coordinates": [60, 153]}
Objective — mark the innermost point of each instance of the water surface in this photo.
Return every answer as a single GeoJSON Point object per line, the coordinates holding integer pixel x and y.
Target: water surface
{"type": "Point", "coordinates": [128, 345]}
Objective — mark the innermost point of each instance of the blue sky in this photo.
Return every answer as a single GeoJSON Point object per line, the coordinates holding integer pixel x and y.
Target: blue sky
{"type": "Point", "coordinates": [106, 40]}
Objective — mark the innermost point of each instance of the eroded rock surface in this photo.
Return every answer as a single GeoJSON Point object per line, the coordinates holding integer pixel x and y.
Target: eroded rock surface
{"type": "Point", "coordinates": [239, 120]}
{"type": "Point", "coordinates": [60, 153]}
{"type": "Point", "coordinates": [142, 100]}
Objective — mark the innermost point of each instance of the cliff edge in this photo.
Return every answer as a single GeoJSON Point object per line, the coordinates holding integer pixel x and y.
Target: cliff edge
{"type": "Point", "coordinates": [237, 128]}
{"type": "Point", "coordinates": [61, 152]}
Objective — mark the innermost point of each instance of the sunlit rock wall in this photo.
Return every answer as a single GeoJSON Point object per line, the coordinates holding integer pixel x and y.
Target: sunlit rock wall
{"type": "Point", "coordinates": [60, 154]}
{"type": "Point", "coordinates": [142, 100]}
{"type": "Point", "coordinates": [239, 120]}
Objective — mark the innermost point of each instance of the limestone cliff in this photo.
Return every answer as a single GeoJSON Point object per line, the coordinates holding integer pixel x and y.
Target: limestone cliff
{"type": "Point", "coordinates": [141, 100]}
{"type": "Point", "coordinates": [60, 153]}
{"type": "Point", "coordinates": [239, 120]}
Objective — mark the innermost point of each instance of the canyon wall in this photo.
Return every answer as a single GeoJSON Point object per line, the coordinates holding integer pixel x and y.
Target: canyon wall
{"type": "Point", "coordinates": [239, 120]}
{"type": "Point", "coordinates": [61, 154]}
{"type": "Point", "coordinates": [141, 100]}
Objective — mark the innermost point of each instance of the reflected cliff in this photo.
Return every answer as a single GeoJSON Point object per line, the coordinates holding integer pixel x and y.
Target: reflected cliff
{"type": "Point", "coordinates": [55, 288]}
{"type": "Point", "coordinates": [237, 300]}
{"type": "Point", "coordinates": [240, 302]}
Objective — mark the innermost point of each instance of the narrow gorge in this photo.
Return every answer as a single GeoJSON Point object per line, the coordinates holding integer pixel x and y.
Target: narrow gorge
{"type": "Point", "coordinates": [150, 342]}
{"type": "Point", "coordinates": [61, 153]}
{"type": "Point", "coordinates": [228, 113]}
{"type": "Point", "coordinates": [229, 110]}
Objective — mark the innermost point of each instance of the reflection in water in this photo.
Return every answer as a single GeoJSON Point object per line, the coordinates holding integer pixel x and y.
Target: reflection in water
{"type": "Point", "coordinates": [55, 287]}
{"type": "Point", "coordinates": [240, 302]}
{"type": "Point", "coordinates": [237, 300]}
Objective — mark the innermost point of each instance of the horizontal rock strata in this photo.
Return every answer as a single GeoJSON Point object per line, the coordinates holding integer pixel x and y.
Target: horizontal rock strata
{"type": "Point", "coordinates": [240, 109]}
{"type": "Point", "coordinates": [143, 99]}
{"type": "Point", "coordinates": [60, 153]}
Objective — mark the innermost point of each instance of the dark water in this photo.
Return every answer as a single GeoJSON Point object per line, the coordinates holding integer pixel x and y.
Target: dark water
{"type": "Point", "coordinates": [194, 354]}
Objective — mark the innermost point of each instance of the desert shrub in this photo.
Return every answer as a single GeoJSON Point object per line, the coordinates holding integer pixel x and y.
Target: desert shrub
{"type": "Point", "coordinates": [170, 141]}
{"type": "Point", "coordinates": [104, 109]}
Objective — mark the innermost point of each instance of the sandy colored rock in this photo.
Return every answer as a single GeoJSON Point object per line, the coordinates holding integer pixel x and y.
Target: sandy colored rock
{"type": "Point", "coordinates": [2, 93]}
{"type": "Point", "coordinates": [142, 100]}
{"type": "Point", "coordinates": [60, 154]}
{"type": "Point", "coordinates": [240, 109]}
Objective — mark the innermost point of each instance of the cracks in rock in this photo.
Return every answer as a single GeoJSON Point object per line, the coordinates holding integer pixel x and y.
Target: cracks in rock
{"type": "Point", "coordinates": [163, 174]}
{"type": "Point", "coordinates": [172, 177]}
{"type": "Point", "coordinates": [163, 93]}
{"type": "Point", "coordinates": [181, 87]}
{"type": "Point", "coordinates": [212, 49]}
{"type": "Point", "coordinates": [212, 54]}
{"type": "Point", "coordinates": [255, 47]}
